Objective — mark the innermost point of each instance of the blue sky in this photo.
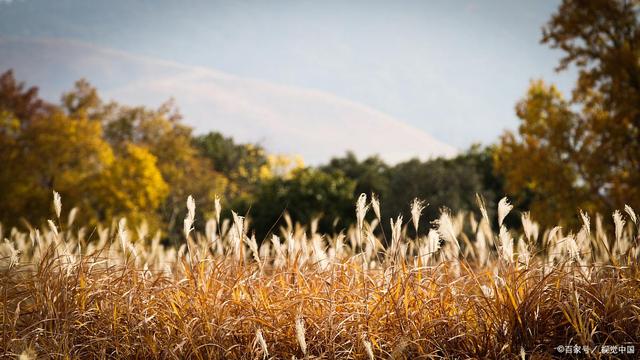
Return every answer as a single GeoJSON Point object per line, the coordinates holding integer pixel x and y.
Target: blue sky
{"type": "Point", "coordinates": [453, 69]}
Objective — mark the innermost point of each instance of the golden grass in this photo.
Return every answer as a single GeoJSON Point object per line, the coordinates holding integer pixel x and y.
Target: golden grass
{"type": "Point", "coordinates": [314, 298]}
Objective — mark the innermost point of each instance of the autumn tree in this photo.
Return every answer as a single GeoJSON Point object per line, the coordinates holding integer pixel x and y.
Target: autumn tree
{"type": "Point", "coordinates": [161, 132]}
{"type": "Point", "coordinates": [584, 151]}
{"type": "Point", "coordinates": [44, 147]}
{"type": "Point", "coordinates": [131, 186]}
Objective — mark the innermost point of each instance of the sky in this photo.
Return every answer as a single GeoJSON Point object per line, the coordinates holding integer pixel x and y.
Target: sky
{"type": "Point", "coordinates": [452, 70]}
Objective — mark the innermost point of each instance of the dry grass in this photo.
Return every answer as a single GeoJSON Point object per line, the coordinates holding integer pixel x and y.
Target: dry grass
{"type": "Point", "coordinates": [479, 295]}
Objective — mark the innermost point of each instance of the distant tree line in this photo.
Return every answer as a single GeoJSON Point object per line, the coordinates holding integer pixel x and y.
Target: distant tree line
{"type": "Point", "coordinates": [113, 160]}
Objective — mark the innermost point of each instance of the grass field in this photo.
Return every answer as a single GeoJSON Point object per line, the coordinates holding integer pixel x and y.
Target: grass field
{"type": "Point", "coordinates": [458, 291]}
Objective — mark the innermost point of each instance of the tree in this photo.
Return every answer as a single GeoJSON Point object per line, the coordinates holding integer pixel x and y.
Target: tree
{"type": "Point", "coordinates": [44, 147]}
{"type": "Point", "coordinates": [371, 174]}
{"type": "Point", "coordinates": [306, 194]}
{"type": "Point", "coordinates": [132, 186]}
{"type": "Point", "coordinates": [583, 152]}
{"type": "Point", "coordinates": [243, 164]}
{"type": "Point", "coordinates": [41, 150]}
{"type": "Point", "coordinates": [542, 163]}
{"type": "Point", "coordinates": [451, 183]}
{"type": "Point", "coordinates": [24, 104]}
{"type": "Point", "coordinates": [161, 133]}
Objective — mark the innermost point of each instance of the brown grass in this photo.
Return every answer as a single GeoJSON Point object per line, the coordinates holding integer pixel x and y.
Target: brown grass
{"type": "Point", "coordinates": [88, 305]}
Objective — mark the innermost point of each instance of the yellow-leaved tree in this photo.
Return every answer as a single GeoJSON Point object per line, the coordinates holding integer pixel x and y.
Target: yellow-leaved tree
{"type": "Point", "coordinates": [131, 186]}
{"type": "Point", "coordinates": [44, 147]}
{"type": "Point", "coordinates": [583, 152]}
{"type": "Point", "coordinates": [161, 133]}
{"type": "Point", "coordinates": [41, 150]}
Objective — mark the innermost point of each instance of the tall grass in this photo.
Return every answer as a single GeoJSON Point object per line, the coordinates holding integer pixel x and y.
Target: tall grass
{"type": "Point", "coordinates": [458, 291]}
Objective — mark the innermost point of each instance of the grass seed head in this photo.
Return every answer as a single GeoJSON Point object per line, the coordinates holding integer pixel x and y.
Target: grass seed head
{"type": "Point", "coordinates": [375, 204]}
{"type": "Point", "coordinates": [190, 217]}
{"type": "Point", "coordinates": [503, 209]}
{"type": "Point", "coordinates": [416, 211]}
{"type": "Point", "coordinates": [57, 203]}
{"type": "Point", "coordinates": [263, 344]}
{"type": "Point", "coordinates": [300, 334]}
{"type": "Point", "coordinates": [53, 227]}
{"type": "Point", "coordinates": [632, 215]}
{"type": "Point", "coordinates": [367, 347]}
{"type": "Point", "coordinates": [619, 222]}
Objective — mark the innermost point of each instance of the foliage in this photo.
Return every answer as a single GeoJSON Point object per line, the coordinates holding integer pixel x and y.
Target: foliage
{"type": "Point", "coordinates": [542, 162]}
{"type": "Point", "coordinates": [45, 147]}
{"type": "Point", "coordinates": [442, 182]}
{"type": "Point", "coordinates": [371, 174]}
{"type": "Point", "coordinates": [131, 185]}
{"type": "Point", "coordinates": [584, 152]}
{"type": "Point", "coordinates": [308, 193]}
{"type": "Point", "coordinates": [449, 183]}
{"type": "Point", "coordinates": [244, 164]}
{"type": "Point", "coordinates": [40, 151]}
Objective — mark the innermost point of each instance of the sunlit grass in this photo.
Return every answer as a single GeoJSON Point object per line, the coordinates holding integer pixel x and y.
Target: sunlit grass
{"type": "Point", "coordinates": [476, 295]}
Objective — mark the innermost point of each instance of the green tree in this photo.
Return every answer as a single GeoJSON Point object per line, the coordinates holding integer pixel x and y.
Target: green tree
{"type": "Point", "coordinates": [583, 152]}
{"type": "Point", "coordinates": [371, 174]}
{"type": "Point", "coordinates": [243, 164]}
{"type": "Point", "coordinates": [451, 183]}
{"type": "Point", "coordinates": [306, 194]}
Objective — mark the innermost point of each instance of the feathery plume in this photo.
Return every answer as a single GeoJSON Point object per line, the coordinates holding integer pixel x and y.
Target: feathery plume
{"type": "Point", "coordinates": [503, 209]}
{"type": "Point", "coordinates": [217, 207]}
{"type": "Point", "coordinates": [619, 224]}
{"type": "Point", "coordinates": [300, 334]}
{"type": "Point", "coordinates": [487, 291]}
{"type": "Point", "coordinates": [361, 212]}
{"type": "Point", "coordinates": [210, 230]}
{"type": "Point", "coordinates": [416, 210]}
{"type": "Point", "coordinates": [553, 233]}
{"type": "Point", "coordinates": [263, 344]}
{"type": "Point", "coordinates": [14, 254]}
{"type": "Point", "coordinates": [571, 246]}
{"type": "Point", "coordinates": [53, 227]}
{"type": "Point", "coordinates": [629, 210]}
{"type": "Point", "coordinates": [530, 231]}
{"type": "Point", "coordinates": [57, 203]}
{"type": "Point", "coordinates": [238, 223]}
{"type": "Point", "coordinates": [506, 244]}
{"type": "Point", "coordinates": [237, 235]}
{"type": "Point", "coordinates": [253, 246]}
{"type": "Point", "coordinates": [396, 233]}
{"type": "Point", "coordinates": [367, 347]}
{"type": "Point", "coordinates": [191, 214]}
{"type": "Point", "coordinates": [375, 204]}
{"type": "Point", "coordinates": [122, 233]}
{"type": "Point", "coordinates": [586, 221]}
{"type": "Point", "coordinates": [445, 228]}
{"type": "Point", "coordinates": [433, 242]}
{"type": "Point", "coordinates": [71, 217]}
{"type": "Point", "coordinates": [483, 208]}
